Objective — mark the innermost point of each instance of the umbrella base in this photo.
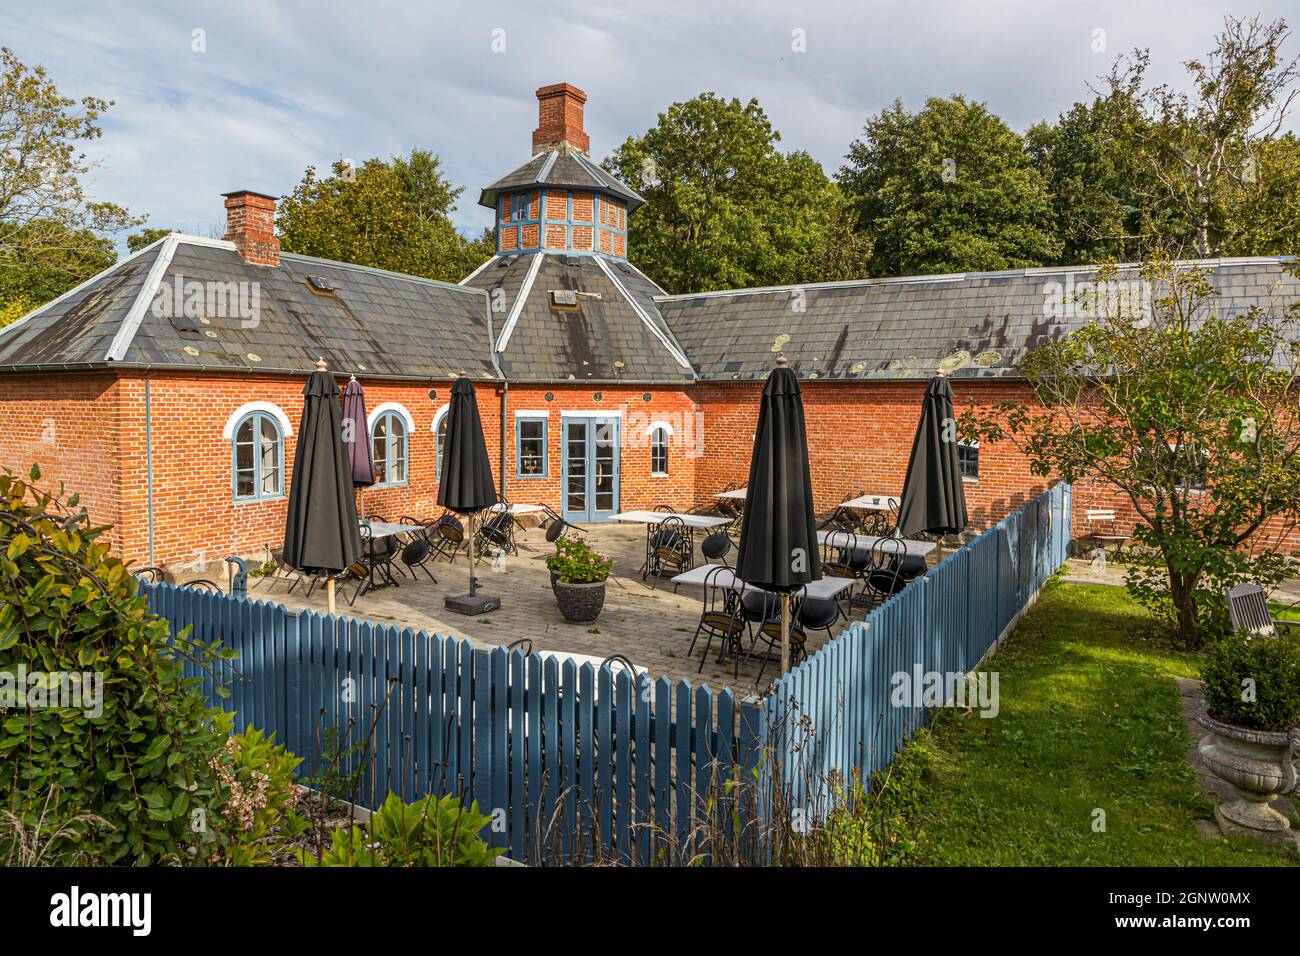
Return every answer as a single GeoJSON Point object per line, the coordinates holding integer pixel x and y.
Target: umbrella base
{"type": "Point", "coordinates": [471, 603]}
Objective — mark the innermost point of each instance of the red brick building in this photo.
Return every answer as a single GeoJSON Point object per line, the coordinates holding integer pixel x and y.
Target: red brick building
{"type": "Point", "coordinates": [167, 389]}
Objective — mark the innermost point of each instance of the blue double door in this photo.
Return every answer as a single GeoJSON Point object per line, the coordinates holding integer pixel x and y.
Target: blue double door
{"type": "Point", "coordinates": [590, 478]}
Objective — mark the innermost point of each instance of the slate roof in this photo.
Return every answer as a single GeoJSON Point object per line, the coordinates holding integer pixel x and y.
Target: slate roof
{"type": "Point", "coordinates": [973, 325]}
{"type": "Point", "coordinates": [616, 320]}
{"type": "Point", "coordinates": [559, 169]}
{"type": "Point", "coordinates": [381, 324]}
{"type": "Point", "coordinates": [387, 325]}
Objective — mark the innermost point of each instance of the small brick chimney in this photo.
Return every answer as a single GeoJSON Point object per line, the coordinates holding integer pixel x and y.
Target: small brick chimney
{"type": "Point", "coordinates": [250, 225]}
{"type": "Point", "coordinates": [559, 120]}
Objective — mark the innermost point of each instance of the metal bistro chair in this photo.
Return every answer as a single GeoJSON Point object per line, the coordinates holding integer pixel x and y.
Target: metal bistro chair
{"type": "Point", "coordinates": [450, 536]}
{"type": "Point", "coordinates": [720, 618]}
{"type": "Point", "coordinates": [203, 584]}
{"type": "Point", "coordinates": [836, 563]}
{"type": "Point", "coordinates": [1248, 611]}
{"type": "Point", "coordinates": [497, 531]}
{"type": "Point", "coordinates": [885, 577]}
{"type": "Point", "coordinates": [672, 551]}
{"type": "Point", "coordinates": [769, 634]}
{"type": "Point", "coordinates": [418, 553]}
{"type": "Point", "coordinates": [151, 574]}
{"type": "Point", "coordinates": [716, 547]}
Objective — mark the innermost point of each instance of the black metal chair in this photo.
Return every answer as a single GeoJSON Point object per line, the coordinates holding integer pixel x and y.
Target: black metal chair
{"type": "Point", "coordinates": [203, 584]}
{"type": "Point", "coordinates": [885, 578]}
{"type": "Point", "coordinates": [769, 634]}
{"type": "Point", "coordinates": [151, 574]}
{"type": "Point", "coordinates": [281, 571]}
{"type": "Point", "coordinates": [524, 644]}
{"type": "Point", "coordinates": [497, 531]}
{"type": "Point", "coordinates": [672, 551]}
{"type": "Point", "coordinates": [450, 536]}
{"type": "Point", "coordinates": [817, 614]}
{"type": "Point", "coordinates": [716, 547]}
{"type": "Point", "coordinates": [720, 618]}
{"type": "Point", "coordinates": [836, 563]}
{"type": "Point", "coordinates": [418, 553]}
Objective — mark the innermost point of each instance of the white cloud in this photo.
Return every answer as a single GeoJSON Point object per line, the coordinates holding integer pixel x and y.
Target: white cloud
{"type": "Point", "coordinates": [283, 86]}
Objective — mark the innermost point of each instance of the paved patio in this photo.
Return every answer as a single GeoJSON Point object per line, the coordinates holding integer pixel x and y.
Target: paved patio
{"type": "Point", "coordinates": [651, 627]}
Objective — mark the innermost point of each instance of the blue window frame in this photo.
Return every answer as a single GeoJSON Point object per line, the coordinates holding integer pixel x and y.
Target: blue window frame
{"type": "Point", "coordinates": [388, 448]}
{"type": "Point", "coordinates": [257, 458]}
{"type": "Point", "coordinates": [531, 460]}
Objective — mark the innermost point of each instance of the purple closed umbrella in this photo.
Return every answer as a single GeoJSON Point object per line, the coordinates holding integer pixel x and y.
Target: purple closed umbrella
{"type": "Point", "coordinates": [356, 436]}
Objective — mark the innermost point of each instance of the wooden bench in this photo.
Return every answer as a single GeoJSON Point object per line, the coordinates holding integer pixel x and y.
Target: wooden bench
{"type": "Point", "coordinates": [1101, 529]}
{"type": "Point", "coordinates": [1248, 609]}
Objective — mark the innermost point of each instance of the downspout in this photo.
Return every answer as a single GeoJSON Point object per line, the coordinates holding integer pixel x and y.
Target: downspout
{"type": "Point", "coordinates": [148, 464]}
{"type": "Point", "coordinates": [505, 386]}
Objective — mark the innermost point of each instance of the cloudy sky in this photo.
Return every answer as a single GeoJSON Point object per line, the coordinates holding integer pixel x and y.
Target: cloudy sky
{"type": "Point", "coordinates": [217, 96]}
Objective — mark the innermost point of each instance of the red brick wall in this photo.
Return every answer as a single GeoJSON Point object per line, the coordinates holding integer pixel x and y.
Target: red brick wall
{"type": "Point", "coordinates": [69, 425]}
{"type": "Point", "coordinates": [637, 487]}
{"type": "Point", "coordinates": [195, 516]}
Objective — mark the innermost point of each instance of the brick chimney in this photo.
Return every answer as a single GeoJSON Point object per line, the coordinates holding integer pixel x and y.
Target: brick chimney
{"type": "Point", "coordinates": [559, 120]}
{"type": "Point", "coordinates": [250, 225]}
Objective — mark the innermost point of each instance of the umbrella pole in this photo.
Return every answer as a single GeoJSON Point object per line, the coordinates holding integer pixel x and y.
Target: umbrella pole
{"type": "Point", "coordinates": [329, 593]}
{"type": "Point", "coordinates": [471, 555]}
{"type": "Point", "coordinates": [785, 632]}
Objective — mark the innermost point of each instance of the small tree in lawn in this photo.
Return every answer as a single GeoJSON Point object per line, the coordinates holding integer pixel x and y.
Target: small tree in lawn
{"type": "Point", "coordinates": [1188, 413]}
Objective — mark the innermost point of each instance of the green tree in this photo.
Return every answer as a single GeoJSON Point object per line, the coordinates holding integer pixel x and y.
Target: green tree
{"type": "Point", "coordinates": [725, 208]}
{"type": "Point", "coordinates": [52, 234]}
{"type": "Point", "coordinates": [1186, 412]}
{"type": "Point", "coordinates": [145, 237]}
{"type": "Point", "coordinates": [392, 215]}
{"type": "Point", "coordinates": [948, 189]}
{"type": "Point", "coordinates": [1213, 156]}
{"type": "Point", "coordinates": [1092, 175]}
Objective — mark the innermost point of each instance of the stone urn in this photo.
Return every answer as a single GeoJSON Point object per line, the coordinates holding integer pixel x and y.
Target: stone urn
{"type": "Point", "coordinates": [1261, 765]}
{"type": "Point", "coordinates": [580, 603]}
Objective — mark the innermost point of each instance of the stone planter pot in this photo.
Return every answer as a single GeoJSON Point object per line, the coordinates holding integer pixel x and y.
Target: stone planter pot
{"type": "Point", "coordinates": [1261, 766]}
{"type": "Point", "coordinates": [580, 603]}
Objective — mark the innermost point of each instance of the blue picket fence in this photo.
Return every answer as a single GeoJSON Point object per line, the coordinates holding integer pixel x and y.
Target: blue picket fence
{"type": "Point", "coordinates": [576, 761]}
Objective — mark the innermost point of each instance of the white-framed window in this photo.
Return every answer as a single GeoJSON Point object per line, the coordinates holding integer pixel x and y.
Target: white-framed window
{"type": "Point", "coordinates": [968, 460]}
{"type": "Point", "coordinates": [439, 438]}
{"type": "Point", "coordinates": [530, 446]}
{"type": "Point", "coordinates": [389, 444]}
{"type": "Point", "coordinates": [659, 451]}
{"type": "Point", "coordinates": [257, 457]}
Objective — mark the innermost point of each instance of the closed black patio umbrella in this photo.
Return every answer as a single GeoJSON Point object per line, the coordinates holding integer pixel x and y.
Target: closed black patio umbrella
{"type": "Point", "coordinates": [466, 484]}
{"type": "Point", "coordinates": [356, 437]}
{"type": "Point", "coordinates": [934, 501]}
{"type": "Point", "coordinates": [321, 534]}
{"type": "Point", "coordinates": [778, 534]}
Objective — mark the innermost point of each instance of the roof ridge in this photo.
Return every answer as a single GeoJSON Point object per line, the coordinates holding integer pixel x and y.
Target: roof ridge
{"type": "Point", "coordinates": [372, 270]}
{"type": "Point", "coordinates": [671, 346]}
{"type": "Point", "coordinates": [963, 276]}
{"type": "Point", "coordinates": [121, 343]}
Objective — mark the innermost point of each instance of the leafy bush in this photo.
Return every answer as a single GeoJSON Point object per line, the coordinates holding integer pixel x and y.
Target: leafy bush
{"type": "Point", "coordinates": [1253, 681]}
{"type": "Point", "coordinates": [136, 755]}
{"type": "Point", "coordinates": [257, 777]}
{"type": "Point", "coordinates": [577, 562]}
{"type": "Point", "coordinates": [428, 832]}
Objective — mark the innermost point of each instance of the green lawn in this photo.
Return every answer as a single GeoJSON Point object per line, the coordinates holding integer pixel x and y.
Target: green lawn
{"type": "Point", "coordinates": [1090, 720]}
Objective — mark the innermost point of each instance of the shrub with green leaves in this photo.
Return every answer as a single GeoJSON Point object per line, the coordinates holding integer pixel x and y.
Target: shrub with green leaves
{"type": "Point", "coordinates": [429, 832]}
{"type": "Point", "coordinates": [261, 797]}
{"type": "Point", "coordinates": [137, 757]}
{"type": "Point", "coordinates": [577, 562]}
{"type": "Point", "coordinates": [1253, 681]}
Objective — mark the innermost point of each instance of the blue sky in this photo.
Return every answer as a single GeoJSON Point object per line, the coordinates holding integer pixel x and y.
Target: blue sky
{"type": "Point", "coordinates": [280, 86]}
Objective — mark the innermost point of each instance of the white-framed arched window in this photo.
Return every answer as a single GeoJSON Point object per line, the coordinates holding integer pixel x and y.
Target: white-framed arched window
{"type": "Point", "coordinates": [439, 437]}
{"type": "Point", "coordinates": [257, 454]}
{"type": "Point", "coordinates": [659, 433]}
{"type": "Point", "coordinates": [390, 442]}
